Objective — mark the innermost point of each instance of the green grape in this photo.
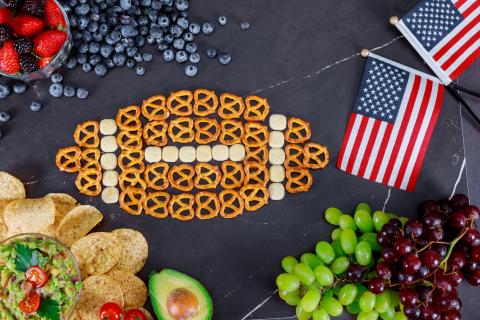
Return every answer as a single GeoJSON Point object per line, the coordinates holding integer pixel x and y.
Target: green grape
{"type": "Point", "coordinates": [328, 293]}
{"type": "Point", "coordinates": [394, 298]}
{"type": "Point", "coordinates": [288, 282]}
{"type": "Point", "coordinates": [332, 215]}
{"type": "Point", "coordinates": [332, 306]}
{"type": "Point", "coordinates": [347, 294]}
{"type": "Point", "coordinates": [320, 314]}
{"type": "Point", "coordinates": [302, 314]}
{"type": "Point", "coordinates": [324, 276]}
{"type": "Point", "coordinates": [340, 265]}
{"type": "Point", "coordinates": [288, 263]}
{"type": "Point", "coordinates": [399, 316]}
{"type": "Point", "coordinates": [291, 298]}
{"type": "Point", "coordinates": [363, 206]}
{"type": "Point", "coordinates": [382, 302]}
{"type": "Point", "coordinates": [363, 253]}
{"type": "Point", "coordinates": [310, 300]}
{"type": "Point", "coordinates": [363, 220]}
{"type": "Point", "coordinates": [371, 315]}
{"type": "Point", "coordinates": [371, 238]}
{"type": "Point", "coordinates": [389, 314]}
{"type": "Point", "coordinates": [379, 219]}
{"type": "Point", "coordinates": [337, 247]}
{"type": "Point", "coordinates": [336, 290]}
{"type": "Point", "coordinates": [367, 301]}
{"type": "Point", "coordinates": [325, 252]}
{"type": "Point", "coordinates": [353, 308]}
{"type": "Point", "coordinates": [392, 215]}
{"type": "Point", "coordinates": [311, 260]}
{"type": "Point", "coordinates": [346, 222]}
{"type": "Point", "coordinates": [361, 289]}
{"type": "Point", "coordinates": [348, 240]}
{"type": "Point", "coordinates": [336, 234]}
{"type": "Point", "coordinates": [403, 220]}
{"type": "Point", "coordinates": [304, 273]}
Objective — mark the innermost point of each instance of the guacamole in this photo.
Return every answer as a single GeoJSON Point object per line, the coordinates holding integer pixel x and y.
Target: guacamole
{"type": "Point", "coordinates": [39, 279]}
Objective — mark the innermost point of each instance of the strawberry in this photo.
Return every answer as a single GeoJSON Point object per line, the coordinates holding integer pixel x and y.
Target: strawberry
{"type": "Point", "coordinates": [26, 26]}
{"type": "Point", "coordinates": [9, 58]}
{"type": "Point", "coordinates": [53, 15]}
{"type": "Point", "coordinates": [44, 62]}
{"type": "Point", "coordinates": [48, 43]}
{"type": "Point", "coordinates": [5, 16]}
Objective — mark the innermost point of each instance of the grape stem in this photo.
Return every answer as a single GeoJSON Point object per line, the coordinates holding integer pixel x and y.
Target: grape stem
{"type": "Point", "coordinates": [443, 264]}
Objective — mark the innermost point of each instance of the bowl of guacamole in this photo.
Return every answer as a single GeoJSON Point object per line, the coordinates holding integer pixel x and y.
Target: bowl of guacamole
{"type": "Point", "coordinates": [39, 279]}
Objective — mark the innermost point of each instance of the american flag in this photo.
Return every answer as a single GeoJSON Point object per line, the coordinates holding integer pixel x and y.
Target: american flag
{"type": "Point", "coordinates": [446, 33]}
{"type": "Point", "coordinates": [391, 123]}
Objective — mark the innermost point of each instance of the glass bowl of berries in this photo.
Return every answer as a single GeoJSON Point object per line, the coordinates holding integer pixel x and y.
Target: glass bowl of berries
{"type": "Point", "coordinates": [35, 38]}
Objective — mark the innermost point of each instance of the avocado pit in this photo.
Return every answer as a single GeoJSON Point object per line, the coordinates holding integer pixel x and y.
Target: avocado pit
{"type": "Point", "coordinates": [182, 304]}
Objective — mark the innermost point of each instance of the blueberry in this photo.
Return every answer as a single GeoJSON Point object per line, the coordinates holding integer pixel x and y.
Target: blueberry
{"type": "Point", "coordinates": [119, 48]}
{"type": "Point", "coordinates": [156, 31]}
{"type": "Point", "coordinates": [140, 71]}
{"type": "Point", "coordinates": [97, 37]}
{"type": "Point", "coordinates": [19, 87]}
{"type": "Point", "coordinates": [119, 59]}
{"type": "Point", "coordinates": [156, 5]}
{"type": "Point", "coordinates": [93, 47]}
{"type": "Point", "coordinates": [94, 60]}
{"type": "Point", "coordinates": [82, 58]}
{"type": "Point", "coordinates": [130, 63]}
{"type": "Point", "coordinates": [191, 70]}
{"type": "Point", "coordinates": [222, 20]}
{"type": "Point", "coordinates": [93, 26]}
{"type": "Point", "coordinates": [181, 5]}
{"type": "Point", "coordinates": [167, 2]}
{"type": "Point", "coordinates": [82, 93]}
{"type": "Point", "coordinates": [164, 21]}
{"type": "Point", "coordinates": [56, 78]}
{"type": "Point", "coordinates": [179, 43]}
{"type": "Point", "coordinates": [188, 36]}
{"type": "Point", "coordinates": [208, 28]}
{"type": "Point", "coordinates": [68, 91]}
{"type": "Point", "coordinates": [194, 58]}
{"type": "Point", "coordinates": [82, 9]}
{"type": "Point", "coordinates": [145, 3]}
{"type": "Point", "coordinates": [174, 16]}
{"type": "Point", "coordinates": [194, 28]}
{"type": "Point", "coordinates": [86, 67]}
{"type": "Point", "coordinates": [168, 38]}
{"type": "Point", "coordinates": [126, 4]}
{"type": "Point", "coordinates": [175, 31]}
{"type": "Point", "coordinates": [182, 23]}
{"type": "Point", "coordinates": [191, 47]}
{"type": "Point", "coordinates": [100, 70]}
{"type": "Point", "coordinates": [94, 16]}
{"type": "Point", "coordinates": [140, 41]}
{"type": "Point", "coordinates": [71, 63]}
{"type": "Point", "coordinates": [5, 116]}
{"type": "Point", "coordinates": [128, 31]}
{"type": "Point", "coordinates": [224, 58]}
{"type": "Point", "coordinates": [82, 22]}
{"type": "Point", "coordinates": [147, 57]}
{"type": "Point", "coordinates": [103, 29]}
{"type": "Point", "coordinates": [244, 25]}
{"type": "Point", "coordinates": [56, 90]}
{"type": "Point", "coordinates": [138, 57]}
{"type": "Point", "coordinates": [211, 53]}
{"type": "Point", "coordinates": [131, 51]}
{"type": "Point", "coordinates": [106, 50]}
{"type": "Point", "coordinates": [77, 35]}
{"type": "Point", "coordinates": [162, 47]}
{"type": "Point", "coordinates": [35, 106]}
{"type": "Point", "coordinates": [150, 39]}
{"type": "Point", "coordinates": [109, 63]}
{"type": "Point", "coordinates": [181, 56]}
{"type": "Point", "coordinates": [168, 55]}
{"type": "Point", "coordinates": [83, 48]}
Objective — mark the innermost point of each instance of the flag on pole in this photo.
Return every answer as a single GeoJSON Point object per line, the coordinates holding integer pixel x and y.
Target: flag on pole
{"type": "Point", "coordinates": [391, 123]}
{"type": "Point", "coordinates": [446, 33]}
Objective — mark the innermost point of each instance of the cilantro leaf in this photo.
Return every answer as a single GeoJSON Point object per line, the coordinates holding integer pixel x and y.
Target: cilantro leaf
{"type": "Point", "coordinates": [26, 257]}
{"type": "Point", "coordinates": [49, 309]}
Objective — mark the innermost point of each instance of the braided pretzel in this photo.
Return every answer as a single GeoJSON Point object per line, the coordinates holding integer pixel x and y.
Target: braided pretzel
{"type": "Point", "coordinates": [132, 199]}
{"type": "Point", "coordinates": [256, 134]}
{"type": "Point", "coordinates": [233, 175]}
{"type": "Point", "coordinates": [131, 179]}
{"type": "Point", "coordinates": [68, 159]}
{"type": "Point", "coordinates": [256, 154]}
{"type": "Point", "coordinates": [256, 173]}
{"type": "Point", "coordinates": [180, 103]}
{"type": "Point", "coordinates": [257, 108]}
{"type": "Point", "coordinates": [293, 156]}
{"type": "Point", "coordinates": [255, 196]}
{"type": "Point", "coordinates": [128, 118]}
{"type": "Point", "coordinates": [313, 154]}
{"type": "Point", "coordinates": [298, 130]}
{"type": "Point", "coordinates": [206, 130]}
{"type": "Point", "coordinates": [208, 176]}
{"type": "Point", "coordinates": [90, 159]}
{"type": "Point", "coordinates": [208, 205]}
{"type": "Point", "coordinates": [88, 182]}
{"type": "Point", "coordinates": [231, 106]}
{"type": "Point", "coordinates": [131, 140]}
{"type": "Point", "coordinates": [206, 102]}
{"type": "Point", "coordinates": [86, 134]}
{"type": "Point", "coordinates": [298, 180]}
{"type": "Point", "coordinates": [132, 159]}
{"type": "Point", "coordinates": [156, 204]}
{"type": "Point", "coordinates": [155, 176]}
{"type": "Point", "coordinates": [231, 132]}
{"type": "Point", "coordinates": [181, 177]}
{"type": "Point", "coordinates": [181, 130]}
{"type": "Point", "coordinates": [155, 133]}
{"type": "Point", "coordinates": [232, 204]}
{"type": "Point", "coordinates": [181, 206]}
{"type": "Point", "coordinates": [154, 108]}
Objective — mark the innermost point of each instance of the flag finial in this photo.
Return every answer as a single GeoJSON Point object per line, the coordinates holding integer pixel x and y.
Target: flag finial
{"type": "Point", "coordinates": [393, 20]}
{"type": "Point", "coordinates": [364, 53]}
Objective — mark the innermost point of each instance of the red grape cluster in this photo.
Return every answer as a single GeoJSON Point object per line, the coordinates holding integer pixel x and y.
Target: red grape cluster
{"type": "Point", "coordinates": [426, 259]}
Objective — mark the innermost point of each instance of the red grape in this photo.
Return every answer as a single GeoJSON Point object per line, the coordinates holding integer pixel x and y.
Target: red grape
{"type": "Point", "coordinates": [474, 278]}
{"type": "Point", "coordinates": [411, 263]}
{"type": "Point", "coordinates": [441, 248]}
{"type": "Point", "coordinates": [457, 259]}
{"type": "Point", "coordinates": [472, 212]}
{"type": "Point", "coordinates": [430, 258]}
{"type": "Point", "coordinates": [459, 201]}
{"type": "Point", "coordinates": [456, 277]}
{"type": "Point", "coordinates": [408, 297]}
{"type": "Point", "coordinates": [443, 283]}
{"type": "Point", "coordinates": [413, 228]}
{"type": "Point", "coordinates": [429, 313]}
{"type": "Point", "coordinates": [435, 234]}
{"type": "Point", "coordinates": [384, 270]}
{"type": "Point", "coordinates": [470, 266]}
{"type": "Point", "coordinates": [432, 220]}
{"type": "Point", "coordinates": [402, 246]}
{"type": "Point", "coordinates": [471, 237]}
{"type": "Point", "coordinates": [445, 206]}
{"type": "Point", "coordinates": [412, 312]}
{"type": "Point", "coordinates": [451, 315]}
{"type": "Point", "coordinates": [457, 220]}
{"type": "Point", "coordinates": [429, 206]}
{"type": "Point", "coordinates": [376, 285]}
{"type": "Point", "coordinates": [389, 255]}
{"type": "Point", "coordinates": [475, 254]}
{"type": "Point", "coordinates": [404, 277]}
{"type": "Point", "coordinates": [354, 272]}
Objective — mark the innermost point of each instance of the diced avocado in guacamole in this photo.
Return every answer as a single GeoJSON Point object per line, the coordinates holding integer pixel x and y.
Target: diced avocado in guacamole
{"type": "Point", "coordinates": [177, 296]}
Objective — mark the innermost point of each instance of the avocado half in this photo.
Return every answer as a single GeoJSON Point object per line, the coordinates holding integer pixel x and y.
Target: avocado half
{"type": "Point", "coordinates": [177, 296]}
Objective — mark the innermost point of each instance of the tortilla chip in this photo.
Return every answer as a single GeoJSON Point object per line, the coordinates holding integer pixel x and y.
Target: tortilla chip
{"type": "Point", "coordinates": [10, 187]}
{"type": "Point", "coordinates": [98, 290]}
{"type": "Point", "coordinates": [133, 288]}
{"type": "Point", "coordinates": [147, 313]}
{"type": "Point", "coordinates": [97, 253]}
{"type": "Point", "coordinates": [29, 215]}
{"type": "Point", "coordinates": [63, 204]}
{"type": "Point", "coordinates": [77, 223]}
{"type": "Point", "coordinates": [134, 250]}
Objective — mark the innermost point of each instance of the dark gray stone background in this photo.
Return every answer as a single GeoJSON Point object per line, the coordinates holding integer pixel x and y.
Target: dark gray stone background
{"type": "Point", "coordinates": [302, 56]}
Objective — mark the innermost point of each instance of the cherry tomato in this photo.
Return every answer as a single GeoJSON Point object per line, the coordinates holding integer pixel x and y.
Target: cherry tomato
{"type": "Point", "coordinates": [37, 276]}
{"type": "Point", "coordinates": [30, 303]}
{"type": "Point", "coordinates": [110, 311]}
{"type": "Point", "coordinates": [135, 314]}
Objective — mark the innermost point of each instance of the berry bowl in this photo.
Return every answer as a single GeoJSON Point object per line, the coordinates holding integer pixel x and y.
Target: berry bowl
{"type": "Point", "coordinates": [35, 38]}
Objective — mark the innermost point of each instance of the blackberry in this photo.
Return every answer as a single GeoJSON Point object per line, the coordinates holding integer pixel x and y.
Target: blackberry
{"type": "Point", "coordinates": [5, 33]}
{"type": "Point", "coordinates": [23, 45]}
{"type": "Point", "coordinates": [34, 7]}
{"type": "Point", "coordinates": [11, 4]}
{"type": "Point", "coordinates": [28, 62]}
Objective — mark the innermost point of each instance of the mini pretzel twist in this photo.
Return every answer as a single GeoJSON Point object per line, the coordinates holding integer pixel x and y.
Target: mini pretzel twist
{"type": "Point", "coordinates": [232, 175]}
{"type": "Point", "coordinates": [181, 177]}
{"type": "Point", "coordinates": [293, 156]}
{"type": "Point", "coordinates": [156, 204]}
{"type": "Point", "coordinates": [256, 154]}
{"type": "Point", "coordinates": [131, 140]}
{"type": "Point", "coordinates": [206, 130]}
{"type": "Point", "coordinates": [90, 159]}
{"type": "Point", "coordinates": [86, 134]}
{"type": "Point", "coordinates": [298, 180]}
{"type": "Point", "coordinates": [180, 103]}
{"type": "Point", "coordinates": [206, 102]}
{"type": "Point", "coordinates": [68, 159]}
{"type": "Point", "coordinates": [257, 108]}
{"type": "Point", "coordinates": [208, 176]}
{"type": "Point", "coordinates": [156, 176]}
{"type": "Point", "coordinates": [232, 132]}
{"type": "Point", "coordinates": [89, 182]}
{"type": "Point", "coordinates": [256, 134]}
{"type": "Point", "coordinates": [208, 205]}
{"type": "Point", "coordinates": [232, 204]}
{"type": "Point", "coordinates": [132, 160]}
{"type": "Point", "coordinates": [255, 196]}
{"type": "Point", "coordinates": [181, 130]}
{"type": "Point", "coordinates": [155, 133]}
{"type": "Point", "coordinates": [315, 156]}
{"type": "Point", "coordinates": [128, 118]}
{"type": "Point", "coordinates": [231, 106]}
{"type": "Point", "coordinates": [131, 179]}
{"type": "Point", "coordinates": [154, 108]}
{"type": "Point", "coordinates": [298, 130]}
{"type": "Point", "coordinates": [181, 206]}
{"type": "Point", "coordinates": [132, 199]}
{"type": "Point", "coordinates": [256, 173]}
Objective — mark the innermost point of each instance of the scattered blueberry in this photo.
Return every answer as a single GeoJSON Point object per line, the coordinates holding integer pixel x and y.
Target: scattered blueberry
{"type": "Point", "coordinates": [191, 70]}
{"type": "Point", "coordinates": [181, 5]}
{"type": "Point", "coordinates": [208, 28]}
{"type": "Point", "coordinates": [82, 93]}
{"type": "Point", "coordinates": [5, 116]}
{"type": "Point", "coordinates": [35, 106]}
{"type": "Point", "coordinates": [71, 63]}
{"type": "Point", "coordinates": [244, 25]}
{"type": "Point", "coordinates": [182, 23]}
{"type": "Point", "coordinates": [119, 59]}
{"type": "Point", "coordinates": [56, 78]}
{"type": "Point", "coordinates": [87, 67]}
{"type": "Point", "coordinates": [140, 70]}
{"type": "Point", "coordinates": [188, 36]}
{"type": "Point", "coordinates": [138, 57]}
{"type": "Point", "coordinates": [100, 70]}
{"type": "Point", "coordinates": [168, 55]}
{"type": "Point", "coordinates": [56, 90]}
{"type": "Point", "coordinates": [19, 87]}
{"type": "Point", "coordinates": [181, 56]}
{"type": "Point", "coordinates": [224, 58]}
{"type": "Point", "coordinates": [179, 43]}
{"type": "Point", "coordinates": [147, 57]}
{"type": "Point", "coordinates": [191, 47]}
{"type": "Point", "coordinates": [109, 63]}
{"type": "Point", "coordinates": [211, 53]}
{"type": "Point", "coordinates": [68, 91]}
{"type": "Point", "coordinates": [194, 57]}
{"type": "Point", "coordinates": [162, 47]}
{"type": "Point", "coordinates": [222, 20]}
{"type": "Point", "coordinates": [194, 28]}
{"type": "Point", "coordinates": [131, 63]}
